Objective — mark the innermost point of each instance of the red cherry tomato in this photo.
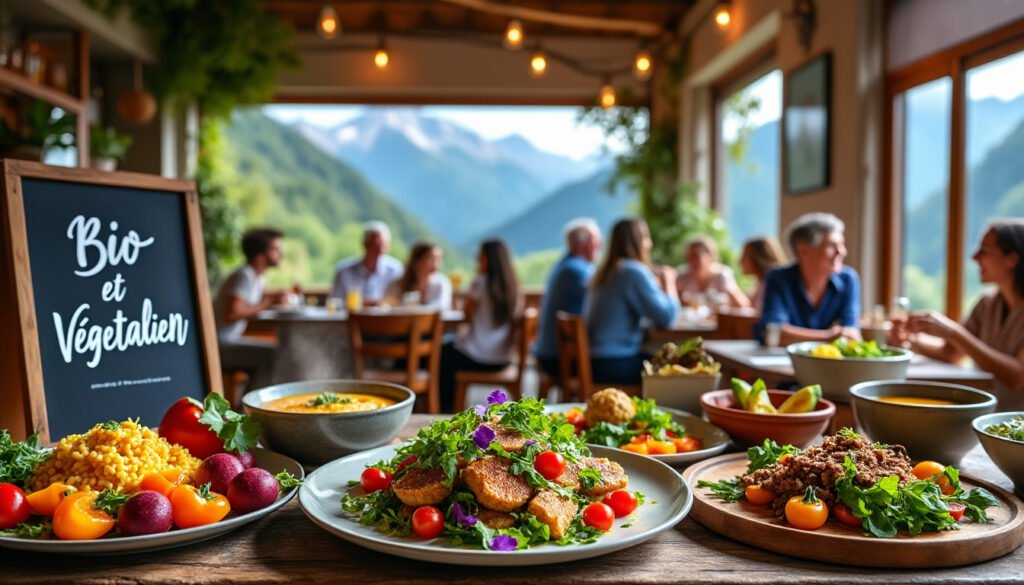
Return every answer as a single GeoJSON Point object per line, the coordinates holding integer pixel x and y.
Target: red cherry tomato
{"type": "Point", "coordinates": [598, 515]}
{"type": "Point", "coordinates": [181, 425]}
{"type": "Point", "coordinates": [622, 502]}
{"type": "Point", "coordinates": [956, 510]}
{"type": "Point", "coordinates": [844, 514]}
{"type": "Point", "coordinates": [374, 479]}
{"type": "Point", "coordinates": [14, 508]}
{"type": "Point", "coordinates": [549, 464]}
{"type": "Point", "coordinates": [427, 522]}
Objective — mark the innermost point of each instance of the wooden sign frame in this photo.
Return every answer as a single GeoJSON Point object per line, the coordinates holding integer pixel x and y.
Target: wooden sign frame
{"type": "Point", "coordinates": [21, 368]}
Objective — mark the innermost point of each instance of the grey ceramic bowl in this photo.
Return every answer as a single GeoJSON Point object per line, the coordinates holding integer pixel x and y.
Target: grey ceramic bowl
{"type": "Point", "coordinates": [322, 437]}
{"type": "Point", "coordinates": [837, 376]}
{"type": "Point", "coordinates": [939, 433]}
{"type": "Point", "coordinates": [1007, 454]}
{"type": "Point", "coordinates": [679, 392]}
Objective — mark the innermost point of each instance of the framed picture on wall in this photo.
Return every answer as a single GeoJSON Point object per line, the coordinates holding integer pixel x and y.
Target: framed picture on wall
{"type": "Point", "coordinates": [806, 120]}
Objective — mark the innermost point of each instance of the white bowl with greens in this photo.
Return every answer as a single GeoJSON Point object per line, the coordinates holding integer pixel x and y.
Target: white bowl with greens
{"type": "Point", "coordinates": [1002, 436]}
{"type": "Point", "coordinates": [846, 363]}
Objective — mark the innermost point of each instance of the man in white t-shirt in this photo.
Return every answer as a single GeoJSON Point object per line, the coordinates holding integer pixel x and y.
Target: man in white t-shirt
{"type": "Point", "coordinates": [371, 274]}
{"type": "Point", "coordinates": [241, 297]}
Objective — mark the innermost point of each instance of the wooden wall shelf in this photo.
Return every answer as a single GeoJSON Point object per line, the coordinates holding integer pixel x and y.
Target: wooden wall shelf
{"type": "Point", "coordinates": [22, 84]}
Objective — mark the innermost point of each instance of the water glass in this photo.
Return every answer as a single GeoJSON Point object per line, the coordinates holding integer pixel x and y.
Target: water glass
{"type": "Point", "coordinates": [772, 334]}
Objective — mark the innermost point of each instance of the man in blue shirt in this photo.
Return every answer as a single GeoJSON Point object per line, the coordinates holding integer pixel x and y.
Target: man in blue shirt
{"type": "Point", "coordinates": [566, 287]}
{"type": "Point", "coordinates": [817, 298]}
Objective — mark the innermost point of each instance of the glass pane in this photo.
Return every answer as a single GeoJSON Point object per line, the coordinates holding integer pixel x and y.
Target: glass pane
{"type": "Point", "coordinates": [926, 125]}
{"type": "Point", "coordinates": [995, 140]}
{"type": "Point", "coordinates": [749, 157]}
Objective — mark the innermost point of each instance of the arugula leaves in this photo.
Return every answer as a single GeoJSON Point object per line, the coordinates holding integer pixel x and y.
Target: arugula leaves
{"type": "Point", "coordinates": [767, 454]}
{"type": "Point", "coordinates": [728, 490]}
{"type": "Point", "coordinates": [649, 420]}
{"type": "Point", "coordinates": [18, 461]}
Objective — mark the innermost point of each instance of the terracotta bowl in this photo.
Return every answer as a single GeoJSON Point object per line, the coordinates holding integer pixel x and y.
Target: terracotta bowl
{"type": "Point", "coordinates": [752, 428]}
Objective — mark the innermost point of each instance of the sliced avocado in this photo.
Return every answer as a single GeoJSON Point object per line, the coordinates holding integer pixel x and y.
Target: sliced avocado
{"type": "Point", "coordinates": [741, 392]}
{"type": "Point", "coordinates": [805, 400]}
{"type": "Point", "coordinates": [759, 400]}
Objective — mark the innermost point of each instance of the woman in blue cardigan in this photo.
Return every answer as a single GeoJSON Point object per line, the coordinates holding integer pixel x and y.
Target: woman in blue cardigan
{"type": "Point", "coordinates": [624, 291]}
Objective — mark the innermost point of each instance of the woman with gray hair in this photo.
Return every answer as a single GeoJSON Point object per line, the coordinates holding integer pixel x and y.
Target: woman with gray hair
{"type": "Point", "coordinates": [817, 298]}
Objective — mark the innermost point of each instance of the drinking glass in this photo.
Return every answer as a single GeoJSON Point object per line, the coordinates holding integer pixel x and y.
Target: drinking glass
{"type": "Point", "coordinates": [332, 304]}
{"type": "Point", "coordinates": [354, 300]}
{"type": "Point", "coordinates": [772, 334]}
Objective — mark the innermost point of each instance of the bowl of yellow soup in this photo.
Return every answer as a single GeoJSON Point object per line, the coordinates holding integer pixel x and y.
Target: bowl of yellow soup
{"type": "Point", "coordinates": [931, 419]}
{"type": "Point", "coordinates": [836, 369]}
{"type": "Point", "coordinates": [320, 420]}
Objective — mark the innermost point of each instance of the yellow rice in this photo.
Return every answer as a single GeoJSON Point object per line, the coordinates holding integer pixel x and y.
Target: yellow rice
{"type": "Point", "coordinates": [112, 459]}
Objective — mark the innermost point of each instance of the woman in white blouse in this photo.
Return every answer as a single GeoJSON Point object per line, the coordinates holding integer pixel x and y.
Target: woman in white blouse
{"type": "Point", "coordinates": [422, 280]}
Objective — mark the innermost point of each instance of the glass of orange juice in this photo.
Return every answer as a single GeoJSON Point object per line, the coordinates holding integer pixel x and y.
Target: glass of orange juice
{"type": "Point", "coordinates": [354, 300]}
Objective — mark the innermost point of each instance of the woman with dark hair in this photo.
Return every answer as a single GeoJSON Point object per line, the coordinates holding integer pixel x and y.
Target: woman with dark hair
{"type": "Point", "coordinates": [993, 334]}
{"type": "Point", "coordinates": [624, 291]}
{"type": "Point", "coordinates": [422, 279]}
{"type": "Point", "coordinates": [760, 254]}
{"type": "Point", "coordinates": [491, 307]}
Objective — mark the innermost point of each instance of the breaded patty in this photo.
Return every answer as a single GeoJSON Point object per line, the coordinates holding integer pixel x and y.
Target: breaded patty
{"type": "Point", "coordinates": [613, 477]}
{"type": "Point", "coordinates": [496, 520]}
{"type": "Point", "coordinates": [421, 487]}
{"type": "Point", "coordinates": [494, 486]}
{"type": "Point", "coordinates": [509, 439]}
{"type": "Point", "coordinates": [554, 510]}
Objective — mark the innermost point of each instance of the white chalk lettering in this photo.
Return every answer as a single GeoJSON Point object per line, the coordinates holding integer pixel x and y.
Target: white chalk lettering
{"type": "Point", "coordinates": [85, 232]}
{"type": "Point", "coordinates": [78, 337]}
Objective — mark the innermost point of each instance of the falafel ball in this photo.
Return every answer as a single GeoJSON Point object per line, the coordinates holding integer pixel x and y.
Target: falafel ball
{"type": "Point", "coordinates": [610, 405]}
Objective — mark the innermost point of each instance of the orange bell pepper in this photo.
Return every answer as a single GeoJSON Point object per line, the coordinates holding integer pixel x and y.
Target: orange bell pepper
{"type": "Point", "coordinates": [656, 447]}
{"type": "Point", "coordinates": [640, 448]}
{"type": "Point", "coordinates": [686, 443]}
{"type": "Point", "coordinates": [163, 482]}
{"type": "Point", "coordinates": [192, 506]}
{"type": "Point", "coordinates": [45, 501]}
{"type": "Point", "coordinates": [76, 518]}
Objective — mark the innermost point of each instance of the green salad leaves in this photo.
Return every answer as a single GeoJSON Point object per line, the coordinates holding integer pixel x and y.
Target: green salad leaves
{"type": "Point", "coordinates": [18, 461]}
{"type": "Point", "coordinates": [649, 420]}
{"type": "Point", "coordinates": [764, 455]}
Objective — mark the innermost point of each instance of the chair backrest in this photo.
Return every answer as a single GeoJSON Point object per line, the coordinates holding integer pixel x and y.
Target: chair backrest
{"type": "Point", "coordinates": [736, 324]}
{"type": "Point", "coordinates": [525, 335]}
{"type": "Point", "coordinates": [407, 335]}
{"type": "Point", "coordinates": [573, 354]}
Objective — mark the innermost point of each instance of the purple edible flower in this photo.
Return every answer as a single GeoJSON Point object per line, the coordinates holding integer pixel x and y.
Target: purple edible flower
{"type": "Point", "coordinates": [466, 520]}
{"type": "Point", "coordinates": [481, 410]}
{"type": "Point", "coordinates": [504, 543]}
{"type": "Point", "coordinates": [529, 442]}
{"type": "Point", "coordinates": [483, 436]}
{"type": "Point", "coordinates": [497, 397]}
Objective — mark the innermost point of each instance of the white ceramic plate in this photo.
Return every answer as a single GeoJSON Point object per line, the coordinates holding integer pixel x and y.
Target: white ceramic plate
{"type": "Point", "coordinates": [668, 500]}
{"type": "Point", "coordinates": [715, 439]}
{"type": "Point", "coordinates": [116, 545]}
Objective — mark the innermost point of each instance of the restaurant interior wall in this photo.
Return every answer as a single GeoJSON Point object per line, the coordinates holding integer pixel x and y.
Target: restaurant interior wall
{"type": "Point", "coordinates": [851, 32]}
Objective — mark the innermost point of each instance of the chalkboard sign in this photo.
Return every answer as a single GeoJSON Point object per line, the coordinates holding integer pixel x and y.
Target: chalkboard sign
{"type": "Point", "coordinates": [114, 313]}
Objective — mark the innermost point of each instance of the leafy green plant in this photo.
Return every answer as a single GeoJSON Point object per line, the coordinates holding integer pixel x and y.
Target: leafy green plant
{"type": "Point", "coordinates": [106, 142]}
{"type": "Point", "coordinates": [40, 126]}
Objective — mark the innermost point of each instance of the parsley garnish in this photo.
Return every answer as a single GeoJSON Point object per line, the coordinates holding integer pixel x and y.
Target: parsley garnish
{"type": "Point", "coordinates": [18, 461]}
{"type": "Point", "coordinates": [589, 477]}
{"type": "Point", "coordinates": [327, 398]}
{"type": "Point", "coordinates": [238, 431]}
{"type": "Point", "coordinates": [286, 480]}
{"type": "Point", "coordinates": [110, 501]}
{"type": "Point", "coordinates": [26, 530]}
{"type": "Point", "coordinates": [112, 425]}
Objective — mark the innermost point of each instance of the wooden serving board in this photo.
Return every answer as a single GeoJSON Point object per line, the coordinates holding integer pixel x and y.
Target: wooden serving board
{"type": "Point", "coordinates": [838, 543]}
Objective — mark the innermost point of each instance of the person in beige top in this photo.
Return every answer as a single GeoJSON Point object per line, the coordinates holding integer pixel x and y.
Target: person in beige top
{"type": "Point", "coordinates": [993, 334]}
{"type": "Point", "coordinates": [703, 276]}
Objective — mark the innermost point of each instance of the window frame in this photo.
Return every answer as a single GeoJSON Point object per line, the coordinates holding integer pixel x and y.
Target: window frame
{"type": "Point", "coordinates": [953, 62]}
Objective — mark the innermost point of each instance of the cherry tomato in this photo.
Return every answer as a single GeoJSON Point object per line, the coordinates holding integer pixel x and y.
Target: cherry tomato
{"type": "Point", "coordinates": [574, 416]}
{"type": "Point", "coordinates": [374, 479]}
{"type": "Point", "coordinates": [181, 425]}
{"type": "Point", "coordinates": [806, 512]}
{"type": "Point", "coordinates": [844, 514]}
{"type": "Point", "coordinates": [686, 443]}
{"type": "Point", "coordinates": [549, 464]}
{"type": "Point", "coordinates": [758, 495]}
{"type": "Point", "coordinates": [956, 510]}
{"type": "Point", "coordinates": [427, 522]}
{"type": "Point", "coordinates": [599, 516]}
{"type": "Point", "coordinates": [927, 469]}
{"type": "Point", "coordinates": [192, 506]}
{"type": "Point", "coordinates": [45, 501]}
{"type": "Point", "coordinates": [622, 502]}
{"type": "Point", "coordinates": [14, 508]}
{"type": "Point", "coordinates": [76, 519]}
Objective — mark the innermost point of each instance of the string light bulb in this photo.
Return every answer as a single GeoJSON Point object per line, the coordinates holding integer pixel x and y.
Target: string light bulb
{"type": "Point", "coordinates": [722, 14]}
{"type": "Point", "coordinates": [513, 35]}
{"type": "Point", "coordinates": [538, 63]}
{"type": "Point", "coordinates": [327, 24]}
{"type": "Point", "coordinates": [607, 96]}
{"type": "Point", "coordinates": [381, 58]}
{"type": "Point", "coordinates": [642, 64]}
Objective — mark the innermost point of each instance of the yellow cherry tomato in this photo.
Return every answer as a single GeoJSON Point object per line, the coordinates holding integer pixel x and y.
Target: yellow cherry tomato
{"type": "Point", "coordinates": [758, 495]}
{"type": "Point", "coordinates": [45, 501]}
{"type": "Point", "coordinates": [192, 506]}
{"type": "Point", "coordinates": [76, 519]}
{"type": "Point", "coordinates": [806, 512]}
{"type": "Point", "coordinates": [933, 471]}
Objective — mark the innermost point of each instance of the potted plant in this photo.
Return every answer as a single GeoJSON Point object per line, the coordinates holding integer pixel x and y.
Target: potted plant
{"type": "Point", "coordinates": [106, 147]}
{"type": "Point", "coordinates": [41, 128]}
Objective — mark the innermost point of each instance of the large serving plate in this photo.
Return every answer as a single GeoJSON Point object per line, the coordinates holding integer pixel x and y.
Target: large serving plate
{"type": "Point", "coordinates": [668, 501]}
{"type": "Point", "coordinates": [715, 440]}
{"type": "Point", "coordinates": [116, 545]}
{"type": "Point", "coordinates": [837, 543]}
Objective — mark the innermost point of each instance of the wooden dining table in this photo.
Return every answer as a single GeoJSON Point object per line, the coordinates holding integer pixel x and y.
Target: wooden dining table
{"type": "Point", "coordinates": [286, 547]}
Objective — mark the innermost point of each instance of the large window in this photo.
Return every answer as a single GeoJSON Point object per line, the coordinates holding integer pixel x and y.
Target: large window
{"type": "Point", "coordinates": [748, 156]}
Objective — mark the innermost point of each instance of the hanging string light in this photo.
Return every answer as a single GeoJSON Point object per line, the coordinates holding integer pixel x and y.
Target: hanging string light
{"type": "Point", "coordinates": [723, 14]}
{"type": "Point", "coordinates": [381, 58]}
{"type": "Point", "coordinates": [327, 24]}
{"type": "Point", "coordinates": [538, 63]}
{"type": "Point", "coordinates": [642, 64]}
{"type": "Point", "coordinates": [607, 96]}
{"type": "Point", "coordinates": [513, 35]}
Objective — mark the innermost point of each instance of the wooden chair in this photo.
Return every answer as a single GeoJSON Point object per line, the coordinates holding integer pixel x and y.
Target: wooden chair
{"type": "Point", "coordinates": [574, 356]}
{"type": "Point", "coordinates": [736, 324]}
{"type": "Point", "coordinates": [511, 378]}
{"type": "Point", "coordinates": [409, 336]}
